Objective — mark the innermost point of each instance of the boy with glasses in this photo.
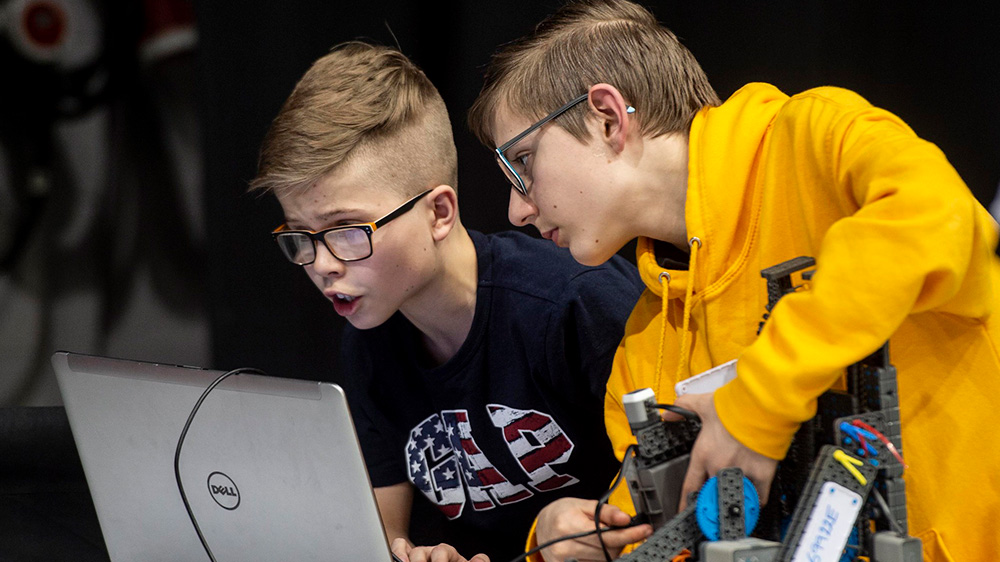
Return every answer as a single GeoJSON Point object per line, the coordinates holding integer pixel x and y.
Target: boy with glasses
{"type": "Point", "coordinates": [475, 365]}
{"type": "Point", "coordinates": [640, 146]}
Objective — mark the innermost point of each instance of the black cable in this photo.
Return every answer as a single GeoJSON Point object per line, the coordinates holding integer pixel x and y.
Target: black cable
{"type": "Point", "coordinates": [180, 443]}
{"type": "Point", "coordinates": [687, 414]}
{"type": "Point", "coordinates": [607, 495]}
{"type": "Point", "coordinates": [579, 535]}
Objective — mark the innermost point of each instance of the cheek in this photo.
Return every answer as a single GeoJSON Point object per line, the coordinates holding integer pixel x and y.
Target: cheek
{"type": "Point", "coordinates": [316, 278]}
{"type": "Point", "coordinates": [563, 187]}
{"type": "Point", "coordinates": [402, 259]}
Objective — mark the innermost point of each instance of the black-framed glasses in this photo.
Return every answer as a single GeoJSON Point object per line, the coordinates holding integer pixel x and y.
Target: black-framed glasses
{"type": "Point", "coordinates": [351, 242]}
{"type": "Point", "coordinates": [511, 170]}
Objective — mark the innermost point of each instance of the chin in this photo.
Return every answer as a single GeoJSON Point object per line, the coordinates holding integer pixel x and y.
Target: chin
{"type": "Point", "coordinates": [365, 322]}
{"type": "Point", "coordinates": [590, 256]}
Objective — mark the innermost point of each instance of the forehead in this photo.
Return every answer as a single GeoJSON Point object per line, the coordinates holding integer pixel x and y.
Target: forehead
{"type": "Point", "coordinates": [348, 194]}
{"type": "Point", "coordinates": [507, 124]}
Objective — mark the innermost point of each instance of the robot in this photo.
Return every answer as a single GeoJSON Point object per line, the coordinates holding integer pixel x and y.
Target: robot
{"type": "Point", "coordinates": [838, 496]}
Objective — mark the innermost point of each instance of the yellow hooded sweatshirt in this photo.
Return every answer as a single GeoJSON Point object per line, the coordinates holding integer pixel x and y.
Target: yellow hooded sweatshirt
{"type": "Point", "coordinates": [903, 252]}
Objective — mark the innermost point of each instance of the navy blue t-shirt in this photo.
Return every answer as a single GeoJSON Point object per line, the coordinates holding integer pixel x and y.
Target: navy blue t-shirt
{"type": "Point", "coordinates": [515, 419]}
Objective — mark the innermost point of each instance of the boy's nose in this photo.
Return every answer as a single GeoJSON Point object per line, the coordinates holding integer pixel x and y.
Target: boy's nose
{"type": "Point", "coordinates": [326, 264]}
{"type": "Point", "coordinates": [520, 211]}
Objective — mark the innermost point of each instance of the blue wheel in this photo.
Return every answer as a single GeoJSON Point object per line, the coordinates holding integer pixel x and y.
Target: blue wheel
{"type": "Point", "coordinates": [707, 508]}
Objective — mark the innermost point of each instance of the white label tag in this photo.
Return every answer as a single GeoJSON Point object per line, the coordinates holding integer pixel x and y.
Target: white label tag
{"type": "Point", "coordinates": [829, 525]}
{"type": "Point", "coordinates": [708, 381]}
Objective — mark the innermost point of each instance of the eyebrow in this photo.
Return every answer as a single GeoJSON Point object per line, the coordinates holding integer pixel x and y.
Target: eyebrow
{"type": "Point", "coordinates": [519, 144]}
{"type": "Point", "coordinates": [326, 218]}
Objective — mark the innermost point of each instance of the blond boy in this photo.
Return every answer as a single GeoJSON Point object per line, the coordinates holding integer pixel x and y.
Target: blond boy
{"type": "Point", "coordinates": [717, 192]}
{"type": "Point", "coordinates": [474, 363]}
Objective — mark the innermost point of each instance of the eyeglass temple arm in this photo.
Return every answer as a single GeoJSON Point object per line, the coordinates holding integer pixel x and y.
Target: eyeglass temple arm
{"type": "Point", "coordinates": [399, 211]}
{"type": "Point", "coordinates": [550, 117]}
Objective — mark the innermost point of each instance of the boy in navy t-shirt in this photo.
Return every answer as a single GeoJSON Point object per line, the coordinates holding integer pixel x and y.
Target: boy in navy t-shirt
{"type": "Point", "coordinates": [476, 364]}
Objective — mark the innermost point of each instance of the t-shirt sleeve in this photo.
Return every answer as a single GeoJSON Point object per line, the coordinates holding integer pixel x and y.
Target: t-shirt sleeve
{"type": "Point", "coordinates": [382, 451]}
{"type": "Point", "coordinates": [596, 305]}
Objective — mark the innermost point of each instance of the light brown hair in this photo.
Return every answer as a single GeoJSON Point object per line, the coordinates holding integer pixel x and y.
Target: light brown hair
{"type": "Point", "coordinates": [360, 101]}
{"type": "Point", "coordinates": [590, 42]}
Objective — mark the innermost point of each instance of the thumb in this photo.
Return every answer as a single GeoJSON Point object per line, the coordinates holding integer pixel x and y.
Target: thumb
{"type": "Point", "coordinates": [400, 549]}
{"type": "Point", "coordinates": [693, 403]}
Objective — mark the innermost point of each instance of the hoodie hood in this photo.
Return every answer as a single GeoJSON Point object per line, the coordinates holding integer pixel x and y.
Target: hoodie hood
{"type": "Point", "coordinates": [719, 141]}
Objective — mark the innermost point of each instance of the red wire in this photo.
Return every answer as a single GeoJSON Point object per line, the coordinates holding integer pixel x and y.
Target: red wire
{"type": "Point", "coordinates": [883, 439]}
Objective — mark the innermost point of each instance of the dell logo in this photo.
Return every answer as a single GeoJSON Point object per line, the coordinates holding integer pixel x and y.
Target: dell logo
{"type": "Point", "coordinates": [223, 490]}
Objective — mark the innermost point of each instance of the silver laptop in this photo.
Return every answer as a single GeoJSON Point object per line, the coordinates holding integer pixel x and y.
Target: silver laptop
{"type": "Point", "coordinates": [271, 467]}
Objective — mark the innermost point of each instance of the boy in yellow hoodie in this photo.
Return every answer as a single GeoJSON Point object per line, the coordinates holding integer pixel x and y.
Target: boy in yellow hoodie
{"type": "Point", "coordinates": [640, 146]}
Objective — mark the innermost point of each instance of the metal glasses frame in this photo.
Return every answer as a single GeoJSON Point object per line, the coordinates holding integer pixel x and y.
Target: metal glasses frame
{"type": "Point", "coordinates": [502, 158]}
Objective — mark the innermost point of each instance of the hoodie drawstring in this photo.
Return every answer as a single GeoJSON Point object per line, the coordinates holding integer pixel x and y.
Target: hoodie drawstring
{"type": "Point", "coordinates": [665, 288]}
{"type": "Point", "coordinates": [664, 278]}
{"type": "Point", "coordinates": [682, 363]}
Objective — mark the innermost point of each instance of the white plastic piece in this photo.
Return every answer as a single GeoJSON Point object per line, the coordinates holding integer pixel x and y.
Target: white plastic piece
{"type": "Point", "coordinates": [829, 525]}
{"type": "Point", "coordinates": [708, 381]}
{"type": "Point", "coordinates": [635, 407]}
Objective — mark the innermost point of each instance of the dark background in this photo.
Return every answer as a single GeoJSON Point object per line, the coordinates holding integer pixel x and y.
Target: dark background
{"type": "Point", "coordinates": [154, 153]}
{"type": "Point", "coordinates": [933, 64]}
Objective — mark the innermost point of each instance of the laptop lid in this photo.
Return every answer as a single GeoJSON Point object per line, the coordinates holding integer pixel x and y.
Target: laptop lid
{"type": "Point", "coordinates": [271, 467]}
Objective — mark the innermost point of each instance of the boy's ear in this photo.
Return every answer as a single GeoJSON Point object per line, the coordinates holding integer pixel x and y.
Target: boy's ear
{"type": "Point", "coordinates": [444, 201]}
{"type": "Point", "coordinates": [612, 112]}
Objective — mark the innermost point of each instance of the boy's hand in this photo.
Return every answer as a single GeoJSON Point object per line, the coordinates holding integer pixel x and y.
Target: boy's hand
{"type": "Point", "coordinates": [440, 553]}
{"type": "Point", "coordinates": [716, 449]}
{"type": "Point", "coordinates": [567, 516]}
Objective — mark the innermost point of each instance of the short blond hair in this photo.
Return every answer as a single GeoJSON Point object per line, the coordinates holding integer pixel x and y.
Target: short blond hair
{"type": "Point", "coordinates": [590, 42]}
{"type": "Point", "coordinates": [360, 101]}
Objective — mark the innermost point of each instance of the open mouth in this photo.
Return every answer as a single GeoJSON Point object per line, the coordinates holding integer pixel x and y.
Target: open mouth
{"type": "Point", "coordinates": [345, 305]}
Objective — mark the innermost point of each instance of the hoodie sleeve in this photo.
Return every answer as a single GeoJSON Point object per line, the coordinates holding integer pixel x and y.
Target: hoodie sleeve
{"type": "Point", "coordinates": [912, 239]}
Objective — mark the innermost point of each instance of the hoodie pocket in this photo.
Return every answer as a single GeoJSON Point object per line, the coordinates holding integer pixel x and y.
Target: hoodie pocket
{"type": "Point", "coordinates": [933, 546]}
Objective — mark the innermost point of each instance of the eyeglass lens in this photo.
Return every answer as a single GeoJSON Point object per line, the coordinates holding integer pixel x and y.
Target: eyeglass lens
{"type": "Point", "coordinates": [512, 176]}
{"type": "Point", "coordinates": [345, 244]}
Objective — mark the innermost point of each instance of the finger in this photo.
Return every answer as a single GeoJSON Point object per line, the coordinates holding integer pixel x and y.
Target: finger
{"type": "Point", "coordinates": [694, 402]}
{"type": "Point", "coordinates": [621, 537]}
{"type": "Point", "coordinates": [401, 549]}
{"type": "Point", "coordinates": [420, 554]}
{"type": "Point", "coordinates": [445, 553]}
{"type": "Point", "coordinates": [698, 404]}
{"type": "Point", "coordinates": [762, 491]}
{"type": "Point", "coordinates": [584, 550]}
{"type": "Point", "coordinates": [762, 482]}
{"type": "Point", "coordinates": [612, 515]}
{"type": "Point", "coordinates": [480, 558]}
{"type": "Point", "coordinates": [587, 548]}
{"type": "Point", "coordinates": [667, 415]}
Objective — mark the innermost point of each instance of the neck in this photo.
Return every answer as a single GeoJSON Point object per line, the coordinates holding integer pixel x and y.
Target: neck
{"type": "Point", "coordinates": [443, 311]}
{"type": "Point", "coordinates": [657, 208]}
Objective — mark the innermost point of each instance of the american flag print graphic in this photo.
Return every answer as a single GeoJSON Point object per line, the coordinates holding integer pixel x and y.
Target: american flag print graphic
{"type": "Point", "coordinates": [537, 442]}
{"type": "Point", "coordinates": [444, 462]}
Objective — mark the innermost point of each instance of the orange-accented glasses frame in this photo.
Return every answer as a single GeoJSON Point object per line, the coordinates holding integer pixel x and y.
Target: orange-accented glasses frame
{"type": "Point", "coordinates": [349, 242]}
